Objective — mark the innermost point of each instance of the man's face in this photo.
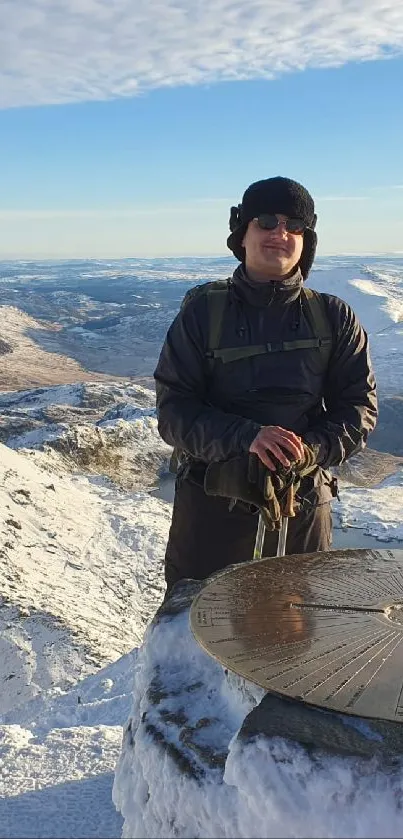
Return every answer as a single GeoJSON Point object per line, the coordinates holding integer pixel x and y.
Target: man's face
{"type": "Point", "coordinates": [273, 253]}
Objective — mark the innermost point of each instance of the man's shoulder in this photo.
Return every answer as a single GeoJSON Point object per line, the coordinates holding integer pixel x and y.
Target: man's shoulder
{"type": "Point", "coordinates": [331, 302]}
{"type": "Point", "coordinates": [340, 315]}
{"type": "Point", "coordinates": [202, 290]}
{"type": "Point", "coordinates": [323, 294]}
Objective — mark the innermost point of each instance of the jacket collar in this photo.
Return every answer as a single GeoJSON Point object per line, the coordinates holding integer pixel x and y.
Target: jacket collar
{"type": "Point", "coordinates": [262, 294]}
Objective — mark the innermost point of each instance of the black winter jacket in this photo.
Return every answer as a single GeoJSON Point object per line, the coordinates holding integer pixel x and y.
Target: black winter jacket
{"type": "Point", "coordinates": [215, 414]}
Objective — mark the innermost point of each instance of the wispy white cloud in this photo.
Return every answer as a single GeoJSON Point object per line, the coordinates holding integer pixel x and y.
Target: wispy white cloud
{"type": "Point", "coordinates": [58, 51]}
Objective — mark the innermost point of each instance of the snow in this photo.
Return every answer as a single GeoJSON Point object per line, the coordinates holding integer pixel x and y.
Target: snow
{"type": "Point", "coordinates": [38, 437]}
{"type": "Point", "coordinates": [38, 399]}
{"type": "Point", "coordinates": [376, 298]}
{"type": "Point", "coordinates": [194, 805]}
{"type": "Point", "coordinates": [59, 758]}
{"type": "Point", "coordinates": [73, 540]}
{"type": "Point", "coordinates": [377, 512]}
{"type": "Point", "coordinates": [385, 284]}
{"type": "Point", "coordinates": [81, 577]}
{"type": "Point", "coordinates": [299, 797]}
{"type": "Point", "coordinates": [41, 397]}
{"type": "Point", "coordinates": [105, 429]}
{"type": "Point", "coordinates": [58, 781]}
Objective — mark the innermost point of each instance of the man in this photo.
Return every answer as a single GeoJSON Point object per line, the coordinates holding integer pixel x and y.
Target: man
{"type": "Point", "coordinates": [273, 394]}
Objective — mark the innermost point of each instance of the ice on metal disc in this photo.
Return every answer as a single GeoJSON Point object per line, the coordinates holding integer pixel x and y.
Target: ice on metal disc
{"type": "Point", "coordinates": [325, 628]}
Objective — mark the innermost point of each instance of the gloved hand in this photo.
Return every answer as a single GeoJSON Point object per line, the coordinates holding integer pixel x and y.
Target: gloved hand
{"type": "Point", "coordinates": [287, 482]}
{"type": "Point", "coordinates": [302, 467]}
{"type": "Point", "coordinates": [245, 478]}
{"type": "Point", "coordinates": [307, 464]}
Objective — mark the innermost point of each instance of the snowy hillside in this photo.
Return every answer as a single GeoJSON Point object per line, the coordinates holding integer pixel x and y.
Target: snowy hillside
{"type": "Point", "coordinates": [25, 363]}
{"type": "Point", "coordinates": [80, 572]}
{"type": "Point", "coordinates": [81, 577]}
{"type": "Point", "coordinates": [375, 293]}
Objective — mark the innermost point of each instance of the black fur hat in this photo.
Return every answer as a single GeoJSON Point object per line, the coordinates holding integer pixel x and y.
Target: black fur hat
{"type": "Point", "coordinates": [275, 195]}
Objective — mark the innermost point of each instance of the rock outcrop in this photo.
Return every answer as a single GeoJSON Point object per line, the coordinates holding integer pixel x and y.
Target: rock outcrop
{"type": "Point", "coordinates": [105, 429]}
{"type": "Point", "coordinates": [206, 753]}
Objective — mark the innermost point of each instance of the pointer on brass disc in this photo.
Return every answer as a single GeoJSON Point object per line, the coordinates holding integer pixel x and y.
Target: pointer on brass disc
{"type": "Point", "coordinates": [325, 628]}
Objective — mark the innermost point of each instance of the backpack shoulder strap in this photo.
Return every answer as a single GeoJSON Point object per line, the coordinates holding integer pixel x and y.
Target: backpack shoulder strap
{"type": "Point", "coordinates": [217, 296]}
{"type": "Point", "coordinates": [316, 314]}
{"type": "Point", "coordinates": [204, 288]}
{"type": "Point", "coordinates": [190, 294]}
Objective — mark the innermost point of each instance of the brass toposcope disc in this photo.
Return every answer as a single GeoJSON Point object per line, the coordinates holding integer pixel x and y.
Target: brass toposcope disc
{"type": "Point", "coordinates": [325, 628]}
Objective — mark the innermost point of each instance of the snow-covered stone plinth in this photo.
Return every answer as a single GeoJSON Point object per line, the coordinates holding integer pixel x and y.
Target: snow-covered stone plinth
{"type": "Point", "coordinates": [206, 754]}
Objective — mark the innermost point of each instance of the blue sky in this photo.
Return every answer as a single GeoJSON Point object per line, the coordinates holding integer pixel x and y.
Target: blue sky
{"type": "Point", "coordinates": [129, 132]}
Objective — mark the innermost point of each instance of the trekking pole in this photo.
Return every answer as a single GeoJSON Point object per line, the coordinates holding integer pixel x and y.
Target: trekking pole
{"type": "Point", "coordinates": [261, 530]}
{"type": "Point", "coordinates": [282, 537]}
{"type": "Point", "coordinates": [288, 511]}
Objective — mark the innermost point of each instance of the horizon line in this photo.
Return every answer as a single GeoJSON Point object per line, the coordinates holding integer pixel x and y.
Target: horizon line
{"type": "Point", "coordinates": [60, 258]}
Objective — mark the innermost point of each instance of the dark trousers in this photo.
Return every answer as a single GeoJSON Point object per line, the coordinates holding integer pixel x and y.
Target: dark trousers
{"type": "Point", "coordinates": [205, 536]}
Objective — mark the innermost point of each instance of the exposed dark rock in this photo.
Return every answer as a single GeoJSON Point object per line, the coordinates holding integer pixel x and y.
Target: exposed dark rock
{"type": "Point", "coordinates": [179, 758]}
{"type": "Point", "coordinates": [14, 523]}
{"type": "Point", "coordinates": [320, 731]}
{"type": "Point", "coordinates": [190, 737]}
{"type": "Point", "coordinates": [12, 425]}
{"type": "Point", "coordinates": [74, 423]}
{"type": "Point", "coordinates": [180, 598]}
{"type": "Point", "coordinates": [5, 347]}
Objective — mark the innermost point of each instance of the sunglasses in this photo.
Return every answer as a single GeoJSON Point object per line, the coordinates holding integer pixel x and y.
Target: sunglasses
{"type": "Point", "coordinates": [270, 222]}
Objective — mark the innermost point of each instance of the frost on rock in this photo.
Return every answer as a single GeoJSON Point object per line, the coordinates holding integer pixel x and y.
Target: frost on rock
{"type": "Point", "coordinates": [101, 429]}
{"type": "Point", "coordinates": [208, 754]}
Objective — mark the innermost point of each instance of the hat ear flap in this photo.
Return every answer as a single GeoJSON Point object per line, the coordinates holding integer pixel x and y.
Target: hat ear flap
{"type": "Point", "coordinates": [235, 218]}
{"type": "Point", "coordinates": [238, 230]}
{"type": "Point", "coordinates": [234, 242]}
{"type": "Point", "coordinates": [308, 252]}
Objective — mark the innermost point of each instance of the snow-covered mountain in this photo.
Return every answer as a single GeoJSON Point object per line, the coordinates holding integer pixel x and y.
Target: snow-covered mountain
{"type": "Point", "coordinates": [82, 540]}
{"type": "Point", "coordinates": [104, 429]}
{"type": "Point", "coordinates": [110, 317]}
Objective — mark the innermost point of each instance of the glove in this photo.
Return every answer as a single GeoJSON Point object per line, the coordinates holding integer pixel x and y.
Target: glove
{"type": "Point", "coordinates": [246, 479]}
{"type": "Point", "coordinates": [308, 462]}
{"type": "Point", "coordinates": [300, 468]}
{"type": "Point", "coordinates": [287, 482]}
